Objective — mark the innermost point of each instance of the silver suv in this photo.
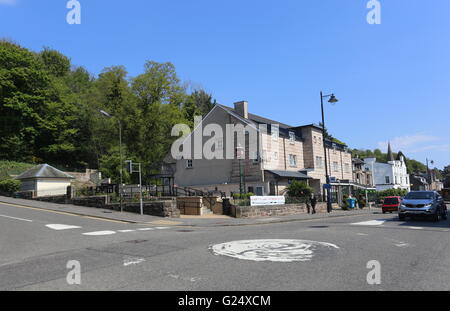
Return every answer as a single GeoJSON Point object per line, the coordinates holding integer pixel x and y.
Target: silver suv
{"type": "Point", "coordinates": [423, 203]}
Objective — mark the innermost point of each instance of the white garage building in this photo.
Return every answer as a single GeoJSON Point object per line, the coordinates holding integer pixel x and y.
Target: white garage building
{"type": "Point", "coordinates": [45, 180]}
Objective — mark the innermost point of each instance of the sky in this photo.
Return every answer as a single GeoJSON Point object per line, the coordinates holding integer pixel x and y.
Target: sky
{"type": "Point", "coordinates": [391, 78]}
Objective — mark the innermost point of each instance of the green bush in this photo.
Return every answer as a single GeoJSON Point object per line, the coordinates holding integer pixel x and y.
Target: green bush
{"type": "Point", "coordinates": [299, 189]}
{"type": "Point", "coordinates": [9, 185]}
{"type": "Point", "coordinates": [345, 205]}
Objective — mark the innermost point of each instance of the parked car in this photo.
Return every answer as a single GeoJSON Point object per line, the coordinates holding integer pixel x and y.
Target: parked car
{"type": "Point", "coordinates": [391, 204]}
{"type": "Point", "coordinates": [423, 203]}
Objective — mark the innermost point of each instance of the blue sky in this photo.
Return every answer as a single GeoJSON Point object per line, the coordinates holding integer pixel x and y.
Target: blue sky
{"type": "Point", "coordinates": [391, 78]}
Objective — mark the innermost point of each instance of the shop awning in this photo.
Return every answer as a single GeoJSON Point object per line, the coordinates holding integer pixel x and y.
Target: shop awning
{"type": "Point", "coordinates": [289, 174]}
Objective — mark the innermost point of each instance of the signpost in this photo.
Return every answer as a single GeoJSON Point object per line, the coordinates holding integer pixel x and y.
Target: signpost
{"type": "Point", "coordinates": [131, 170]}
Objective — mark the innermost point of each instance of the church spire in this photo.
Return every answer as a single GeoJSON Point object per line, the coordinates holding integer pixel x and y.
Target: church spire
{"type": "Point", "coordinates": [390, 155]}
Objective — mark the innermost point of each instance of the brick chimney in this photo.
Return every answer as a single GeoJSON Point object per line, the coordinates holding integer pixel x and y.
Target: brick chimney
{"type": "Point", "coordinates": [241, 108]}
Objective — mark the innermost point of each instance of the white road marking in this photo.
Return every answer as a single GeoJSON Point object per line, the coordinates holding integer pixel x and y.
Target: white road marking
{"type": "Point", "coordinates": [272, 250]}
{"type": "Point", "coordinates": [162, 228]}
{"type": "Point", "coordinates": [402, 244]}
{"type": "Point", "coordinates": [132, 261]}
{"type": "Point", "coordinates": [370, 223]}
{"type": "Point", "coordinates": [363, 234]}
{"type": "Point", "coordinates": [61, 227]}
{"type": "Point", "coordinates": [27, 220]}
{"type": "Point", "coordinates": [126, 231]}
{"type": "Point", "coordinates": [98, 233]}
{"type": "Point", "coordinates": [146, 229]}
{"type": "Point", "coordinates": [416, 228]}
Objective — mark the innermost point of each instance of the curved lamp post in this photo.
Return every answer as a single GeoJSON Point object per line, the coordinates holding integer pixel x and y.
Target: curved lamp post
{"type": "Point", "coordinates": [332, 100]}
{"type": "Point", "coordinates": [121, 160]}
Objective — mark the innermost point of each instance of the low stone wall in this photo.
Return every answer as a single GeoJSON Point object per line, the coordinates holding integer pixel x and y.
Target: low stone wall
{"type": "Point", "coordinates": [97, 201]}
{"type": "Point", "coordinates": [156, 208]}
{"type": "Point", "coordinates": [274, 210]}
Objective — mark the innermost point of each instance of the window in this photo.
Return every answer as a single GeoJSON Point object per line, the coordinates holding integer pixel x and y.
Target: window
{"type": "Point", "coordinates": [255, 157]}
{"type": "Point", "coordinates": [189, 164]}
{"type": "Point", "coordinates": [292, 137]}
{"type": "Point", "coordinates": [388, 180]}
{"type": "Point", "coordinates": [319, 162]}
{"type": "Point", "coordinates": [292, 160]}
{"type": "Point", "coordinates": [335, 167]}
{"type": "Point", "coordinates": [275, 155]}
{"type": "Point", "coordinates": [347, 168]}
{"type": "Point", "coordinates": [315, 139]}
{"type": "Point", "coordinates": [275, 133]}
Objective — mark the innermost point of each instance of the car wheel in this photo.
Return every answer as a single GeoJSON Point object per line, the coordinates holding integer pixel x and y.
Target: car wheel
{"type": "Point", "coordinates": [444, 215]}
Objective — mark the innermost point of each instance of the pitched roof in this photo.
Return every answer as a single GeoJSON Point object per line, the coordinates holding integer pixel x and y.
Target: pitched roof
{"type": "Point", "coordinates": [44, 171]}
{"type": "Point", "coordinates": [258, 119]}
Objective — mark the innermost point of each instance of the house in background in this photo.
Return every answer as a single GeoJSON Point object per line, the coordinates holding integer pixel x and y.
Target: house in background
{"type": "Point", "coordinates": [45, 180]}
{"type": "Point", "coordinates": [419, 183]}
{"type": "Point", "coordinates": [283, 153]}
{"type": "Point", "coordinates": [390, 175]}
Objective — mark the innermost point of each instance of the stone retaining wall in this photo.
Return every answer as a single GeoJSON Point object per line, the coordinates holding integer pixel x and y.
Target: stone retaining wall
{"type": "Point", "coordinates": [156, 208]}
{"type": "Point", "coordinates": [274, 210]}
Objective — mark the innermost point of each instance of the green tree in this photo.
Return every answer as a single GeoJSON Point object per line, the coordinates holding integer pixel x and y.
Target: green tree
{"type": "Point", "coordinates": [299, 189]}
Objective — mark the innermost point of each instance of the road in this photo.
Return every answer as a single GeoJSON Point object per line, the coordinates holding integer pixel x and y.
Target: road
{"type": "Point", "coordinates": [36, 246]}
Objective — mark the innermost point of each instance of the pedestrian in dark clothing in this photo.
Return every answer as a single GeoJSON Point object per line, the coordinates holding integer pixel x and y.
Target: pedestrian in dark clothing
{"type": "Point", "coordinates": [313, 201]}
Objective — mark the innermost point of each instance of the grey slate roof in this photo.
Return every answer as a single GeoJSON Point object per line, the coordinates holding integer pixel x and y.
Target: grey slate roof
{"type": "Point", "coordinates": [258, 119]}
{"type": "Point", "coordinates": [289, 174]}
{"type": "Point", "coordinates": [44, 171]}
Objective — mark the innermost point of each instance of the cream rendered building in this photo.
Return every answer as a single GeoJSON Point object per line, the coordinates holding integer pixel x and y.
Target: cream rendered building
{"type": "Point", "coordinates": [275, 155]}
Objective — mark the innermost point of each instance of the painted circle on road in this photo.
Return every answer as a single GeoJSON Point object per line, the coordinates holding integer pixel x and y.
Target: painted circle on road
{"type": "Point", "coordinates": [277, 250]}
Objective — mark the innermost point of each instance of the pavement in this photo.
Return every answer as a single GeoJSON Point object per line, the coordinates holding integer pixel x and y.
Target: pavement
{"type": "Point", "coordinates": [38, 248]}
{"type": "Point", "coordinates": [193, 221]}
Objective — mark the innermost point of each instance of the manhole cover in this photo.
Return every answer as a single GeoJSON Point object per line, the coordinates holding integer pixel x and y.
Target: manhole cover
{"type": "Point", "coordinates": [274, 250]}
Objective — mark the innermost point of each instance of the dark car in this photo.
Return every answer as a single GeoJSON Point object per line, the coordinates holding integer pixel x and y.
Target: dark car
{"type": "Point", "coordinates": [423, 203]}
{"type": "Point", "coordinates": [391, 204]}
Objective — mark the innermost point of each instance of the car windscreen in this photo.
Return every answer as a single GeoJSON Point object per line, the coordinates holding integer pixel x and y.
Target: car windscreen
{"type": "Point", "coordinates": [419, 196]}
{"type": "Point", "coordinates": [390, 201]}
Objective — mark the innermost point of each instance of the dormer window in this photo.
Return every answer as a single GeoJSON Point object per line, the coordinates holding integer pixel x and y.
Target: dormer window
{"type": "Point", "coordinates": [292, 137]}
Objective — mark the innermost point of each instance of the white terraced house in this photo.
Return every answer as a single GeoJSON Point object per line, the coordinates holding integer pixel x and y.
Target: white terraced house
{"type": "Point", "coordinates": [281, 154]}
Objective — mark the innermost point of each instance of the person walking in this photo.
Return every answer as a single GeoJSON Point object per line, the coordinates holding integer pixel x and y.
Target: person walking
{"type": "Point", "coordinates": [313, 202]}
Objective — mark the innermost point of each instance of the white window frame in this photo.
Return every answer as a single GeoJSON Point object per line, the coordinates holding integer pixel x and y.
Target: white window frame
{"type": "Point", "coordinates": [319, 162]}
{"type": "Point", "coordinates": [293, 160]}
{"type": "Point", "coordinates": [292, 138]}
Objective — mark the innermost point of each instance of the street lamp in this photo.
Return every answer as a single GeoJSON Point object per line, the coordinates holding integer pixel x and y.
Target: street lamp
{"type": "Point", "coordinates": [120, 152]}
{"type": "Point", "coordinates": [332, 100]}
{"type": "Point", "coordinates": [429, 173]}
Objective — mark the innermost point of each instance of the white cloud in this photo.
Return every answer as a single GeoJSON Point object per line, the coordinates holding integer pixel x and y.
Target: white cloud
{"type": "Point", "coordinates": [412, 143]}
{"type": "Point", "coordinates": [8, 2]}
